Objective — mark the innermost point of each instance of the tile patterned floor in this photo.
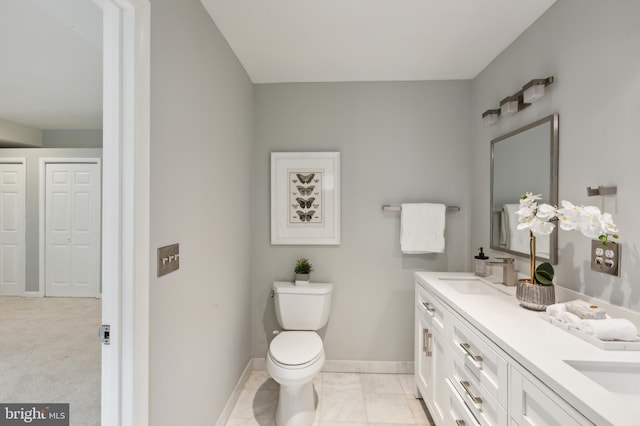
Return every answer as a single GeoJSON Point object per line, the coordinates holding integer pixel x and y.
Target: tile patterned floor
{"type": "Point", "coordinates": [343, 399]}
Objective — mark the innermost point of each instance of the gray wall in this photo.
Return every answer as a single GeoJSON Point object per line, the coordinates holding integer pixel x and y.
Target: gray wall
{"type": "Point", "coordinates": [399, 142]}
{"type": "Point", "coordinates": [32, 219]}
{"type": "Point", "coordinates": [72, 138]}
{"type": "Point", "coordinates": [201, 132]}
{"type": "Point", "coordinates": [588, 46]}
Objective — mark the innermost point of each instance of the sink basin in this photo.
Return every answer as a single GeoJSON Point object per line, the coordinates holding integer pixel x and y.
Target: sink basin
{"type": "Point", "coordinates": [472, 285]}
{"type": "Point", "coordinates": [622, 379]}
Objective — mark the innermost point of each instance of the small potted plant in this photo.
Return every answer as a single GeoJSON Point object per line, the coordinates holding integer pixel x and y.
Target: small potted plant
{"type": "Point", "coordinates": [302, 270]}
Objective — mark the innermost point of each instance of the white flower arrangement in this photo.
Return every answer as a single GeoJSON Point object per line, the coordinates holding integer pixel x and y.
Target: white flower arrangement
{"type": "Point", "coordinates": [586, 219]}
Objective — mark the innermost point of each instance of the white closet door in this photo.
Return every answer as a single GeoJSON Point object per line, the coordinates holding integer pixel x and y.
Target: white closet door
{"type": "Point", "coordinates": [12, 229]}
{"type": "Point", "coordinates": [72, 230]}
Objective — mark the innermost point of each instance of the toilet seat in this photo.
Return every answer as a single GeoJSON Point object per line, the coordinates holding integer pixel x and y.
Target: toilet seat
{"type": "Point", "coordinates": [296, 349]}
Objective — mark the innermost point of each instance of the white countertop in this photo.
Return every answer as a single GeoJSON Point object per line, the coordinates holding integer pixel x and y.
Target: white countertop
{"type": "Point", "coordinates": [540, 347]}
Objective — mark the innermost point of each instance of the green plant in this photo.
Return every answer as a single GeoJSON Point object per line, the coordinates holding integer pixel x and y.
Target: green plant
{"type": "Point", "coordinates": [303, 266]}
{"type": "Point", "coordinates": [544, 274]}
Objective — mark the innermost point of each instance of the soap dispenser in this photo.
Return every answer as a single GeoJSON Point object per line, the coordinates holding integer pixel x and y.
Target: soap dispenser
{"type": "Point", "coordinates": [482, 268]}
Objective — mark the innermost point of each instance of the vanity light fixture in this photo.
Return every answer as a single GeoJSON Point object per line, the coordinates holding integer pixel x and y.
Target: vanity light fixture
{"type": "Point", "coordinates": [534, 90]}
{"type": "Point", "coordinates": [490, 117]}
{"type": "Point", "coordinates": [530, 92]}
{"type": "Point", "coordinates": [509, 105]}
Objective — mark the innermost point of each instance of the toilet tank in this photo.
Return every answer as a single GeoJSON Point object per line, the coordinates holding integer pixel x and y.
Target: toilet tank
{"type": "Point", "coordinates": [302, 307]}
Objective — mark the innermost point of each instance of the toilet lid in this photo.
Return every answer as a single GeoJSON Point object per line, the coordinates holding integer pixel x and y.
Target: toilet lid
{"type": "Point", "coordinates": [295, 347]}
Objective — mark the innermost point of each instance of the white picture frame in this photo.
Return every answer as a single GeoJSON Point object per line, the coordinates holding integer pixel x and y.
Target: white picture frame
{"type": "Point", "coordinates": [305, 198]}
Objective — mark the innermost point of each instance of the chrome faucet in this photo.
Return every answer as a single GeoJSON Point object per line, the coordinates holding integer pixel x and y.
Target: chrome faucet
{"type": "Point", "coordinates": [509, 273]}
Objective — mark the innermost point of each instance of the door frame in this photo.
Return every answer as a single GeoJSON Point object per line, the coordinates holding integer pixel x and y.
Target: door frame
{"type": "Point", "coordinates": [23, 162]}
{"type": "Point", "coordinates": [43, 212]}
{"type": "Point", "coordinates": [125, 211]}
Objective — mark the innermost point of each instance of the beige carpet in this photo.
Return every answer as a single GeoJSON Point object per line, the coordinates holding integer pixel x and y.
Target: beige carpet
{"type": "Point", "coordinates": [49, 352]}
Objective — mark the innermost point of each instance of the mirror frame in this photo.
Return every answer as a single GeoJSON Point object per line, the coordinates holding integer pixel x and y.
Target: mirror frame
{"type": "Point", "coordinates": [553, 120]}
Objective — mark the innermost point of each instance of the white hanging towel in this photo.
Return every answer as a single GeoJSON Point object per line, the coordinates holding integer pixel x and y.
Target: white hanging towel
{"type": "Point", "coordinates": [422, 228]}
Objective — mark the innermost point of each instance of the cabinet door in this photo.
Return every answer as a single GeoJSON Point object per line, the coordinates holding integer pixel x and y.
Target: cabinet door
{"type": "Point", "coordinates": [441, 367]}
{"type": "Point", "coordinates": [423, 362]}
{"type": "Point", "coordinates": [534, 404]}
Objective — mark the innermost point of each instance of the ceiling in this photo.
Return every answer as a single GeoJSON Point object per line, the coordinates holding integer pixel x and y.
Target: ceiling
{"type": "Point", "coordinates": [51, 73]}
{"type": "Point", "coordinates": [370, 40]}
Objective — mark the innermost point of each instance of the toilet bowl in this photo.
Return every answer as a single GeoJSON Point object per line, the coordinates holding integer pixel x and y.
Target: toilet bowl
{"type": "Point", "coordinates": [296, 355]}
{"type": "Point", "coordinates": [294, 359]}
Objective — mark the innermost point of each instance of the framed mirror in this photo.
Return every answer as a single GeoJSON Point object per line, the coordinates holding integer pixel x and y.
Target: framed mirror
{"type": "Point", "coordinates": [525, 160]}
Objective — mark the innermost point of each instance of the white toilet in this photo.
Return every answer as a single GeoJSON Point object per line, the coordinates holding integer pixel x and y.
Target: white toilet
{"type": "Point", "coordinates": [296, 355]}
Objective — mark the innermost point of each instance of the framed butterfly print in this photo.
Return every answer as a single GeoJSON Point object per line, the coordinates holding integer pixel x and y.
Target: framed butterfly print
{"type": "Point", "coordinates": [305, 198]}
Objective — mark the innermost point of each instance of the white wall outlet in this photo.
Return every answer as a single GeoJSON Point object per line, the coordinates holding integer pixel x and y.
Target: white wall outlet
{"type": "Point", "coordinates": [605, 258]}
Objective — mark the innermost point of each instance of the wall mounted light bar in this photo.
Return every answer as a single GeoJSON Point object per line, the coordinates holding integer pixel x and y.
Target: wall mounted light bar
{"type": "Point", "coordinates": [530, 92]}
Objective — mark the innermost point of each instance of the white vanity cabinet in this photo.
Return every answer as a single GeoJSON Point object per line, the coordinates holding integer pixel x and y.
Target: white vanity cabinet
{"type": "Point", "coordinates": [432, 363]}
{"type": "Point", "coordinates": [467, 379]}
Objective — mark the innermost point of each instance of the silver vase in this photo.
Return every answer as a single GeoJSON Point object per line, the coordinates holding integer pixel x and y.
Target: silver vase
{"type": "Point", "coordinates": [535, 296]}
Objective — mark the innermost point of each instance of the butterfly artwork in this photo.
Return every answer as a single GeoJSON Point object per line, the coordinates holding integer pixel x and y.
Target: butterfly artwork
{"type": "Point", "coordinates": [305, 216]}
{"type": "Point", "coordinates": [305, 191]}
{"type": "Point", "coordinates": [305, 178]}
{"type": "Point", "coordinates": [305, 204]}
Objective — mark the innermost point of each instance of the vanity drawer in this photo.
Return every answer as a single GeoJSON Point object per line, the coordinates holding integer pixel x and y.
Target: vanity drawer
{"type": "Point", "coordinates": [459, 414]}
{"type": "Point", "coordinates": [477, 398]}
{"type": "Point", "coordinates": [430, 305]}
{"type": "Point", "coordinates": [483, 362]}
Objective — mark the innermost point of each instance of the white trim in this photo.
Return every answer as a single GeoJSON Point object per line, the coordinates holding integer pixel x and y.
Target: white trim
{"type": "Point", "coordinates": [231, 402]}
{"type": "Point", "coordinates": [32, 294]}
{"type": "Point", "coordinates": [125, 254]}
{"type": "Point", "coordinates": [6, 160]}
{"type": "Point", "coordinates": [42, 210]}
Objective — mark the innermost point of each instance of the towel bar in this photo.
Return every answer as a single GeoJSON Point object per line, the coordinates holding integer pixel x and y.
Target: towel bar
{"type": "Point", "coordinates": [388, 208]}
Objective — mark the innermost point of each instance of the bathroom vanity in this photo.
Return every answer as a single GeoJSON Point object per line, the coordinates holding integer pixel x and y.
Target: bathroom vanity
{"type": "Point", "coordinates": [481, 359]}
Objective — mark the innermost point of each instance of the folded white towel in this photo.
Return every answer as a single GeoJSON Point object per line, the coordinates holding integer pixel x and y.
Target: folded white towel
{"type": "Point", "coordinates": [610, 329]}
{"type": "Point", "coordinates": [555, 309]}
{"type": "Point", "coordinates": [569, 318]}
{"type": "Point", "coordinates": [422, 228]}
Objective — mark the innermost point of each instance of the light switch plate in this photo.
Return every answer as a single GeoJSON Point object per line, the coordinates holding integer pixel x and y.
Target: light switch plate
{"type": "Point", "coordinates": [168, 259]}
{"type": "Point", "coordinates": [605, 258]}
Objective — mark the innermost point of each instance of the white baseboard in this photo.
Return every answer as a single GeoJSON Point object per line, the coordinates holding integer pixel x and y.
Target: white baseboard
{"type": "Point", "coordinates": [231, 402]}
{"type": "Point", "coordinates": [32, 294]}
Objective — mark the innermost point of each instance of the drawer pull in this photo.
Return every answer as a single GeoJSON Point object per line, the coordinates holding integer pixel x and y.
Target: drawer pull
{"type": "Point", "coordinates": [460, 423]}
{"type": "Point", "coordinates": [429, 308]}
{"type": "Point", "coordinates": [467, 389]}
{"type": "Point", "coordinates": [467, 349]}
{"type": "Point", "coordinates": [426, 341]}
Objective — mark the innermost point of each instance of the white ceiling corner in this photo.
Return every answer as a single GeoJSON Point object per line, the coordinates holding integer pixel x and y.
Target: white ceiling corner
{"type": "Point", "coordinates": [370, 40]}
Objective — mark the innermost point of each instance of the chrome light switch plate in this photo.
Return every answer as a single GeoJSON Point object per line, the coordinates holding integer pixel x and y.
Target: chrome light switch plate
{"type": "Point", "coordinates": [168, 259]}
{"type": "Point", "coordinates": [605, 258]}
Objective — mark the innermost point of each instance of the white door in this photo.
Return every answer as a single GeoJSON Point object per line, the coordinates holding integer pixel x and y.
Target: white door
{"type": "Point", "coordinates": [12, 229]}
{"type": "Point", "coordinates": [72, 230]}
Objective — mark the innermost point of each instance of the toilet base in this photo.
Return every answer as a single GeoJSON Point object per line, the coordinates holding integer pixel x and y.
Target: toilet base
{"type": "Point", "coordinates": [296, 405]}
